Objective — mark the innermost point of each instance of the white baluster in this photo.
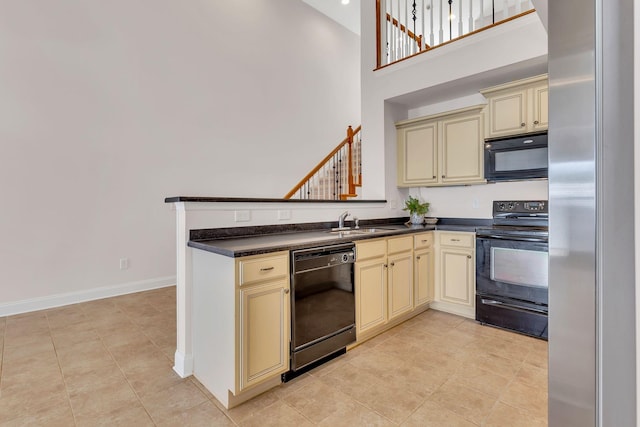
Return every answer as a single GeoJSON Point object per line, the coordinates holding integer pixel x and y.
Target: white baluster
{"type": "Point", "coordinates": [481, 19]}
{"type": "Point", "coordinates": [505, 9]}
{"type": "Point", "coordinates": [405, 35]}
{"type": "Point", "coordinates": [460, 28]}
{"type": "Point", "coordinates": [431, 43]}
{"type": "Point", "coordinates": [441, 33]}
{"type": "Point", "coordinates": [470, 29]}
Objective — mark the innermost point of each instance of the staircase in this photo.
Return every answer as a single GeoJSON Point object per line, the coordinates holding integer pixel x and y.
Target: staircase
{"type": "Point", "coordinates": [337, 176]}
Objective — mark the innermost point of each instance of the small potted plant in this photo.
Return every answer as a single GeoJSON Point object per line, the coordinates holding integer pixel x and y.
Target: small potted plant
{"type": "Point", "coordinates": [417, 210]}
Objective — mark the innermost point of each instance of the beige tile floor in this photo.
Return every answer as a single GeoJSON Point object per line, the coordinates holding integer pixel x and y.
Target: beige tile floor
{"type": "Point", "coordinates": [109, 362]}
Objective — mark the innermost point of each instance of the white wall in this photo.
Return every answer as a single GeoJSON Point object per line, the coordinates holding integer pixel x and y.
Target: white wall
{"type": "Point", "coordinates": [109, 107]}
{"type": "Point", "coordinates": [443, 79]}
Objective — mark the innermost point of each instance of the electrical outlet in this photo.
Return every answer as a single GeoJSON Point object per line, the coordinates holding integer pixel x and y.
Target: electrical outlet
{"type": "Point", "coordinates": [124, 263]}
{"type": "Point", "coordinates": [286, 214]}
{"type": "Point", "coordinates": [242, 216]}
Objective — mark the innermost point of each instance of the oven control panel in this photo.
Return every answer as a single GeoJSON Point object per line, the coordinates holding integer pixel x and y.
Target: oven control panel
{"type": "Point", "coordinates": [520, 206]}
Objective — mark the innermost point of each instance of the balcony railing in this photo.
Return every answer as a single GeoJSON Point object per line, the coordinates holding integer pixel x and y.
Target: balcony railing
{"type": "Point", "coordinates": [410, 27]}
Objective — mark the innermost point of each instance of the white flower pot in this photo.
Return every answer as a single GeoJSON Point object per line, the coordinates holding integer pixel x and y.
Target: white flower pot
{"type": "Point", "coordinates": [417, 218]}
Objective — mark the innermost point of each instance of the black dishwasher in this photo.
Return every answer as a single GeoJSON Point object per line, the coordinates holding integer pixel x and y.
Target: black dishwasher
{"type": "Point", "coordinates": [322, 303]}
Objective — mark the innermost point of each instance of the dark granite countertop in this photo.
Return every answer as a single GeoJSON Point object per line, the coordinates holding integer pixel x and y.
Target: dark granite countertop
{"type": "Point", "coordinates": [202, 199]}
{"type": "Point", "coordinates": [244, 241]}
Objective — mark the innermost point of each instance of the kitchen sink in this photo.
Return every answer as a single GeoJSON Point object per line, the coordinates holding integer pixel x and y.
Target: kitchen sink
{"type": "Point", "coordinates": [360, 231]}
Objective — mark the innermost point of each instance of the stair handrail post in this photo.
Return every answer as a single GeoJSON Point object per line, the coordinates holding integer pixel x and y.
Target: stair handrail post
{"type": "Point", "coordinates": [352, 185]}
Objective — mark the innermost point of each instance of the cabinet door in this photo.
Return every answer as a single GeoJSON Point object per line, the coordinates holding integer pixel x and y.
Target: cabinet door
{"type": "Point", "coordinates": [400, 284]}
{"type": "Point", "coordinates": [423, 276]}
{"type": "Point", "coordinates": [457, 276]}
{"type": "Point", "coordinates": [462, 149]}
{"type": "Point", "coordinates": [264, 332]}
{"type": "Point", "coordinates": [371, 294]}
{"type": "Point", "coordinates": [418, 154]}
{"type": "Point", "coordinates": [507, 113]}
{"type": "Point", "coordinates": [540, 107]}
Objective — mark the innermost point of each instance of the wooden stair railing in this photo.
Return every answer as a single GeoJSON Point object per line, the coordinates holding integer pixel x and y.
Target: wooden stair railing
{"type": "Point", "coordinates": [337, 176]}
{"type": "Point", "coordinates": [409, 33]}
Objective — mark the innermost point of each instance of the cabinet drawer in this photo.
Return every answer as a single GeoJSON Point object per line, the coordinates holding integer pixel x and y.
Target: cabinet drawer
{"type": "Point", "coordinates": [253, 270]}
{"type": "Point", "coordinates": [461, 240]}
{"type": "Point", "coordinates": [423, 240]}
{"type": "Point", "coordinates": [371, 249]}
{"type": "Point", "coordinates": [399, 244]}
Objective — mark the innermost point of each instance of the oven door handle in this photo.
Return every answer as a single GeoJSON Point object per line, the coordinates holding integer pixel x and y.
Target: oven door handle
{"type": "Point", "coordinates": [513, 238]}
{"type": "Point", "coordinates": [511, 306]}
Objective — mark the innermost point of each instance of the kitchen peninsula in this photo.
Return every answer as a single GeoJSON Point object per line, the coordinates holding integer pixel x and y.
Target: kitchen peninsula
{"type": "Point", "coordinates": [236, 255]}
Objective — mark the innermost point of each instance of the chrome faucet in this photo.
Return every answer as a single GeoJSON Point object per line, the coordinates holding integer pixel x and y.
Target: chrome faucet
{"type": "Point", "coordinates": [341, 219]}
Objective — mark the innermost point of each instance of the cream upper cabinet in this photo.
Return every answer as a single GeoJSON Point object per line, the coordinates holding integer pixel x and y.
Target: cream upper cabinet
{"type": "Point", "coordinates": [418, 154]}
{"type": "Point", "coordinates": [517, 107]}
{"type": "Point", "coordinates": [462, 145]}
{"type": "Point", "coordinates": [423, 268]}
{"type": "Point", "coordinates": [446, 149]}
{"type": "Point", "coordinates": [455, 281]}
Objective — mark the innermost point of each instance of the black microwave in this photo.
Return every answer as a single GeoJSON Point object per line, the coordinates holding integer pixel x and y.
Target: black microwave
{"type": "Point", "coordinates": [516, 158]}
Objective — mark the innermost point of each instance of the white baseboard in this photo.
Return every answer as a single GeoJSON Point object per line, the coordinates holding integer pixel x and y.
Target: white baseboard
{"type": "Point", "coordinates": [42, 303]}
{"type": "Point", "coordinates": [460, 310]}
{"type": "Point", "coordinates": [183, 364]}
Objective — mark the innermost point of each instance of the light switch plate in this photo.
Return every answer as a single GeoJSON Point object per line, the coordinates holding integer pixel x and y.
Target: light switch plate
{"type": "Point", "coordinates": [242, 216]}
{"type": "Point", "coordinates": [285, 214]}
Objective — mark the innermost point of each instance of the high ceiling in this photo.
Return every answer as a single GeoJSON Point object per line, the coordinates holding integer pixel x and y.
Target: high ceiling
{"type": "Point", "coordinates": [347, 15]}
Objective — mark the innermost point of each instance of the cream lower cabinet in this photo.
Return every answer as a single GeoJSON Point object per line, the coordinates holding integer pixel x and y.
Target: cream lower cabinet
{"type": "Point", "coordinates": [517, 107]}
{"type": "Point", "coordinates": [241, 318]}
{"type": "Point", "coordinates": [455, 277]}
{"type": "Point", "coordinates": [446, 149]}
{"type": "Point", "coordinates": [424, 273]}
{"type": "Point", "coordinates": [383, 282]}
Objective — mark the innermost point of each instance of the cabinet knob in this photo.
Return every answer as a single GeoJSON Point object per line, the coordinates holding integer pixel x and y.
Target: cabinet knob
{"type": "Point", "coordinates": [434, 177]}
{"type": "Point", "coordinates": [286, 291]}
{"type": "Point", "coordinates": [418, 257]}
{"type": "Point", "coordinates": [469, 256]}
{"type": "Point", "coordinates": [522, 124]}
{"type": "Point", "coordinates": [443, 176]}
{"type": "Point", "coordinates": [536, 122]}
{"type": "Point", "coordinates": [385, 265]}
{"type": "Point", "coordinates": [392, 264]}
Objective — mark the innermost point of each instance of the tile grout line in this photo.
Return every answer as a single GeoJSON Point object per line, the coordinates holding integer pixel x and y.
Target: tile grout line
{"type": "Point", "coordinates": [55, 350]}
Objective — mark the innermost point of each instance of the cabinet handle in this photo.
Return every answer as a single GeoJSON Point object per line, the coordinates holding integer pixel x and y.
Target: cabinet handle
{"type": "Point", "coordinates": [522, 124]}
{"type": "Point", "coordinates": [267, 268]}
{"type": "Point", "coordinates": [455, 240]}
{"type": "Point", "coordinates": [286, 291]}
{"type": "Point", "coordinates": [536, 122]}
{"type": "Point", "coordinates": [424, 241]}
{"type": "Point", "coordinates": [469, 256]}
{"type": "Point", "coordinates": [443, 176]}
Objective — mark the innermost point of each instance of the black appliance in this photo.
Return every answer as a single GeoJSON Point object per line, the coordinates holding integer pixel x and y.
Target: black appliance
{"type": "Point", "coordinates": [323, 315]}
{"type": "Point", "coordinates": [516, 158]}
{"type": "Point", "coordinates": [512, 268]}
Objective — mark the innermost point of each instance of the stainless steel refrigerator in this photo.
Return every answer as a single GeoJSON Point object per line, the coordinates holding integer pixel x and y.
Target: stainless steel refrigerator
{"type": "Point", "coordinates": [592, 318]}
